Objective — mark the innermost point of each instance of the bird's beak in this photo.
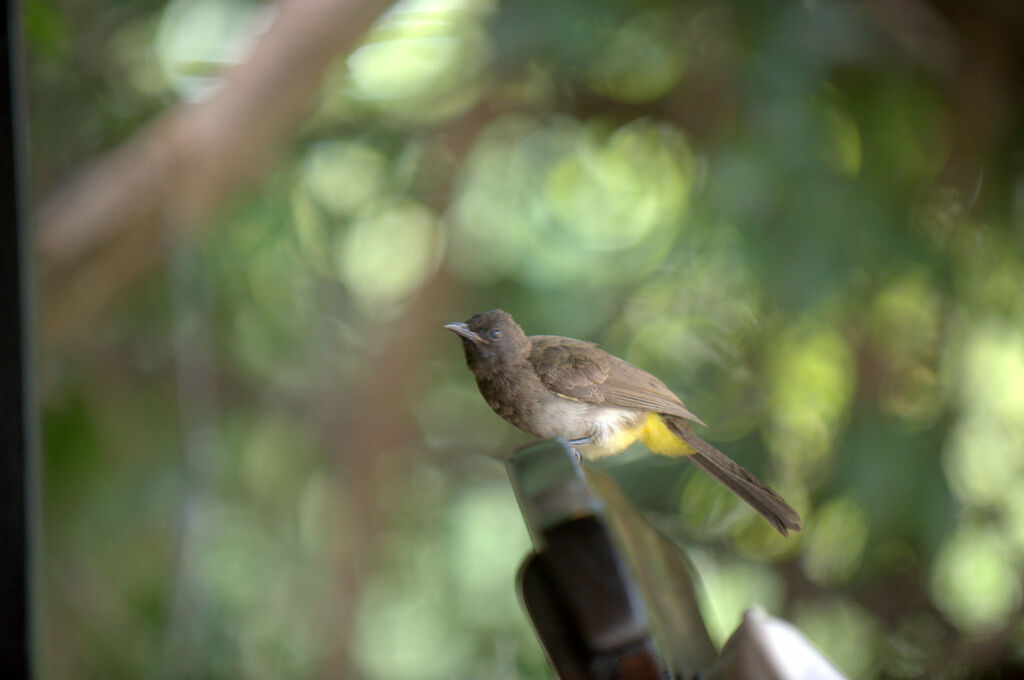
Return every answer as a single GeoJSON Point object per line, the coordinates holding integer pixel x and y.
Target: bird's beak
{"type": "Point", "coordinates": [463, 330]}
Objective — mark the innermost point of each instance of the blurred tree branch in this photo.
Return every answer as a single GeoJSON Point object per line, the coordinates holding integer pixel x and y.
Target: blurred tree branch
{"type": "Point", "coordinates": [370, 441]}
{"type": "Point", "coordinates": [975, 50]}
{"type": "Point", "coordinates": [99, 234]}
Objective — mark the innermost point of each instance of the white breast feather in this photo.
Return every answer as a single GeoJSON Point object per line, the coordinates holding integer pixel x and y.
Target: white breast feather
{"type": "Point", "coordinates": [613, 430]}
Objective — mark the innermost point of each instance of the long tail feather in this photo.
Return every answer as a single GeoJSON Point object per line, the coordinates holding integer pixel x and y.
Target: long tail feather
{"type": "Point", "coordinates": [753, 491]}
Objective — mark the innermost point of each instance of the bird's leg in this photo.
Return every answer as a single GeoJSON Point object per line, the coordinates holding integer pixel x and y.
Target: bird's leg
{"type": "Point", "coordinates": [578, 442]}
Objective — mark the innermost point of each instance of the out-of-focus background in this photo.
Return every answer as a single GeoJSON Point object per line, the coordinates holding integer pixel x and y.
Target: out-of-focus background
{"type": "Point", "coordinates": [264, 457]}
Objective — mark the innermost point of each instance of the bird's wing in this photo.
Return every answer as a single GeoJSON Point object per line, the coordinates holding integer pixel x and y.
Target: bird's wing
{"type": "Point", "coordinates": [582, 371]}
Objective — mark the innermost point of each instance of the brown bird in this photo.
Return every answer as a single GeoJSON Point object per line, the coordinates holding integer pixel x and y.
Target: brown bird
{"type": "Point", "coordinates": [550, 386]}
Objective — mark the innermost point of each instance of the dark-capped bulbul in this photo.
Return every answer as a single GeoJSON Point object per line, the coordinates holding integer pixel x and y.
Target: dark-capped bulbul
{"type": "Point", "coordinates": [551, 386]}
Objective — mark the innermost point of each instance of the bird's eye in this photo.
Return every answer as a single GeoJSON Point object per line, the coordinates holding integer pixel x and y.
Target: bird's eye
{"type": "Point", "coordinates": [495, 334]}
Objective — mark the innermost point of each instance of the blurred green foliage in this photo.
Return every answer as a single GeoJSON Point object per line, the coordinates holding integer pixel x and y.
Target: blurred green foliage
{"type": "Point", "coordinates": [758, 202]}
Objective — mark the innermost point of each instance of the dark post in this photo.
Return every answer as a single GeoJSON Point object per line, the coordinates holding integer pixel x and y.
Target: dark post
{"type": "Point", "coordinates": [17, 417]}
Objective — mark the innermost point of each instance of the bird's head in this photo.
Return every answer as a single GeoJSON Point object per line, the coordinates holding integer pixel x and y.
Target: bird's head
{"type": "Point", "coordinates": [492, 338]}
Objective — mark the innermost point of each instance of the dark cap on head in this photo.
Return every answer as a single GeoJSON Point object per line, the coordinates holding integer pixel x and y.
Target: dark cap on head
{"type": "Point", "coordinates": [492, 336]}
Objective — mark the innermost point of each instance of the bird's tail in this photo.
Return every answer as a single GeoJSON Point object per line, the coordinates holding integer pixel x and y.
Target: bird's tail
{"type": "Point", "coordinates": [753, 491]}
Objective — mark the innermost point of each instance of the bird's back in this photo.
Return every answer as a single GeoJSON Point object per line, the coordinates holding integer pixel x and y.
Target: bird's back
{"type": "Point", "coordinates": [583, 371]}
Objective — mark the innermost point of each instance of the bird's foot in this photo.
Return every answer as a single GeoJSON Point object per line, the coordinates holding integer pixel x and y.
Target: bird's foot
{"type": "Point", "coordinates": [573, 443]}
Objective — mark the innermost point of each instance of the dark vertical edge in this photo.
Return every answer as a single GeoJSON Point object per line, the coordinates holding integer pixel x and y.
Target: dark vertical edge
{"type": "Point", "coordinates": [17, 411]}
